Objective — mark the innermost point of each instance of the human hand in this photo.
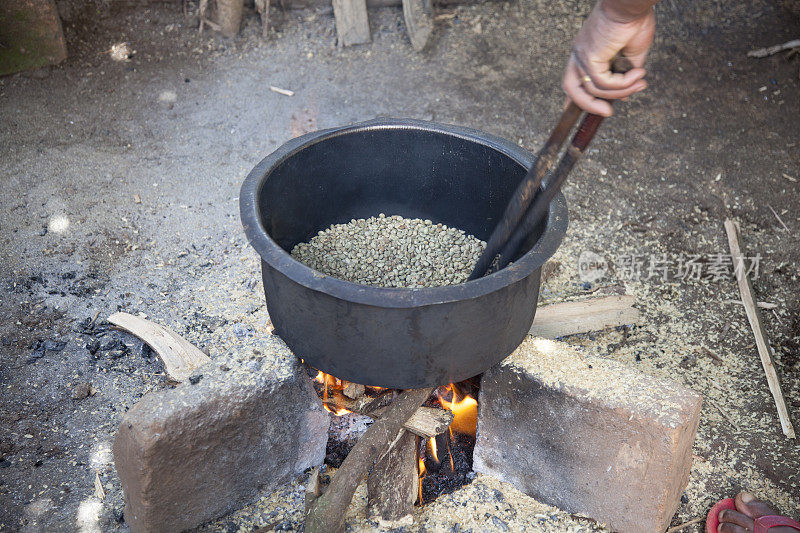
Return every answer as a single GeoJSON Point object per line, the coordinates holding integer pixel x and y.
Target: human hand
{"type": "Point", "coordinates": [609, 30]}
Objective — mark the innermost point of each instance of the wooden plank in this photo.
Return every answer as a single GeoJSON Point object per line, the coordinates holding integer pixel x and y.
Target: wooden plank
{"type": "Point", "coordinates": [352, 23]}
{"type": "Point", "coordinates": [180, 357]}
{"type": "Point", "coordinates": [594, 314]}
{"type": "Point", "coordinates": [757, 325]}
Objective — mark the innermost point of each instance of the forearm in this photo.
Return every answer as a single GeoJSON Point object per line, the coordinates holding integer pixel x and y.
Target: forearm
{"type": "Point", "coordinates": [626, 10]}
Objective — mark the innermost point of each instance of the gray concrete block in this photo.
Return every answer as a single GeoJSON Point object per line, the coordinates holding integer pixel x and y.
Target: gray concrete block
{"type": "Point", "coordinates": [207, 447]}
{"type": "Point", "coordinates": [608, 441]}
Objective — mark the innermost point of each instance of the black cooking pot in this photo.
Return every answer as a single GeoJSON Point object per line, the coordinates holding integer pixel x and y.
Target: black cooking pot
{"type": "Point", "coordinates": [390, 337]}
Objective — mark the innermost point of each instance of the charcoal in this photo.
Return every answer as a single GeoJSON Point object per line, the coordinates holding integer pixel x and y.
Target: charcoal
{"type": "Point", "coordinates": [54, 346]}
{"type": "Point", "coordinates": [146, 351]}
{"type": "Point", "coordinates": [93, 346]}
{"type": "Point", "coordinates": [444, 480]}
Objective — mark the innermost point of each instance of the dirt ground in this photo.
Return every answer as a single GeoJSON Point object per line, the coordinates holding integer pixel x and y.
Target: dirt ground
{"type": "Point", "coordinates": [115, 197]}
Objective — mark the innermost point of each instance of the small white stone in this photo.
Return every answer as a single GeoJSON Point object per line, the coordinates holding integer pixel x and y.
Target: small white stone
{"type": "Point", "coordinates": [168, 98]}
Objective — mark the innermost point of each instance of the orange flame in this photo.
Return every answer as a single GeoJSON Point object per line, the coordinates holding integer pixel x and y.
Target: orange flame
{"type": "Point", "coordinates": [422, 471]}
{"type": "Point", "coordinates": [465, 412]}
{"type": "Point", "coordinates": [329, 382]}
{"type": "Point", "coordinates": [432, 448]}
{"type": "Point", "coordinates": [330, 385]}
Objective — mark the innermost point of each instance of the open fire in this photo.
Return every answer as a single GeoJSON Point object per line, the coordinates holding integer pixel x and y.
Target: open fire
{"type": "Point", "coordinates": [445, 460]}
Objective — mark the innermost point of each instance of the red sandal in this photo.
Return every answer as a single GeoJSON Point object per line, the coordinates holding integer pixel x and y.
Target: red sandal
{"type": "Point", "coordinates": [712, 520]}
{"type": "Point", "coordinates": [763, 523]}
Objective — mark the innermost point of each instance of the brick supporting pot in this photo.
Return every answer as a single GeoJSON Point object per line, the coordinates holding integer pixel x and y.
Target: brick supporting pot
{"type": "Point", "coordinates": [209, 446]}
{"type": "Point", "coordinates": [587, 435]}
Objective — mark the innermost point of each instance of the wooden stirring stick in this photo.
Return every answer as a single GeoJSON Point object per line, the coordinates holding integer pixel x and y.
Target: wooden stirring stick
{"type": "Point", "coordinates": [552, 185]}
{"type": "Point", "coordinates": [527, 189]}
{"type": "Point", "coordinates": [513, 228]}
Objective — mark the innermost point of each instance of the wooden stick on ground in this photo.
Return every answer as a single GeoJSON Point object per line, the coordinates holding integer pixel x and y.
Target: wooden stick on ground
{"type": "Point", "coordinates": [756, 324]}
{"type": "Point", "coordinates": [582, 316]}
{"type": "Point", "coordinates": [327, 512]}
{"type": "Point", "coordinates": [764, 52]}
{"type": "Point", "coordinates": [180, 357]}
{"type": "Point", "coordinates": [393, 485]}
{"type": "Point", "coordinates": [312, 488]}
{"type": "Point", "coordinates": [262, 6]}
{"type": "Point", "coordinates": [418, 15]}
{"type": "Point", "coordinates": [762, 305]}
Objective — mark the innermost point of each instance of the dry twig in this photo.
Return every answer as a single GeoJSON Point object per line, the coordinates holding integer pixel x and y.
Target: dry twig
{"type": "Point", "coordinates": [762, 305]}
{"type": "Point", "coordinates": [685, 525]}
{"type": "Point", "coordinates": [201, 9]}
{"type": "Point", "coordinates": [285, 92]}
{"type": "Point", "coordinates": [717, 359]}
{"type": "Point", "coordinates": [262, 6]}
{"type": "Point", "coordinates": [771, 50]}
{"type": "Point", "coordinates": [724, 414]}
{"type": "Point", "coordinates": [99, 492]}
{"type": "Point", "coordinates": [779, 218]}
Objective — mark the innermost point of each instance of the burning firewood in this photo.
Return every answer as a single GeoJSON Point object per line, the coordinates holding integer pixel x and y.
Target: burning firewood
{"type": "Point", "coordinates": [327, 512]}
{"type": "Point", "coordinates": [426, 422]}
{"type": "Point", "coordinates": [354, 391]}
{"type": "Point", "coordinates": [393, 484]}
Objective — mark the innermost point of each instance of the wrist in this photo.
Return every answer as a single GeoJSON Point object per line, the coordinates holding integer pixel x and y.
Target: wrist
{"type": "Point", "coordinates": [624, 11]}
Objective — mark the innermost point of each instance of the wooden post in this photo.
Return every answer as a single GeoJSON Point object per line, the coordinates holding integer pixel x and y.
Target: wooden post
{"type": "Point", "coordinates": [31, 35]}
{"type": "Point", "coordinates": [229, 16]}
{"type": "Point", "coordinates": [352, 24]}
{"type": "Point", "coordinates": [418, 15]}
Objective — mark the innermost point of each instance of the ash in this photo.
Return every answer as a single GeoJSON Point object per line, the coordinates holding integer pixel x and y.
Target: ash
{"type": "Point", "coordinates": [343, 434]}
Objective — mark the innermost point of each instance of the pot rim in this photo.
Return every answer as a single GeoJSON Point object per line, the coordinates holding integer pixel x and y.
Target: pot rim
{"type": "Point", "coordinates": [393, 297]}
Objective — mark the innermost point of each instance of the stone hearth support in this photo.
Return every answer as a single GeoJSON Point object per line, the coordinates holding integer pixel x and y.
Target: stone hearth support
{"type": "Point", "coordinates": [587, 435]}
{"type": "Point", "coordinates": [243, 424]}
